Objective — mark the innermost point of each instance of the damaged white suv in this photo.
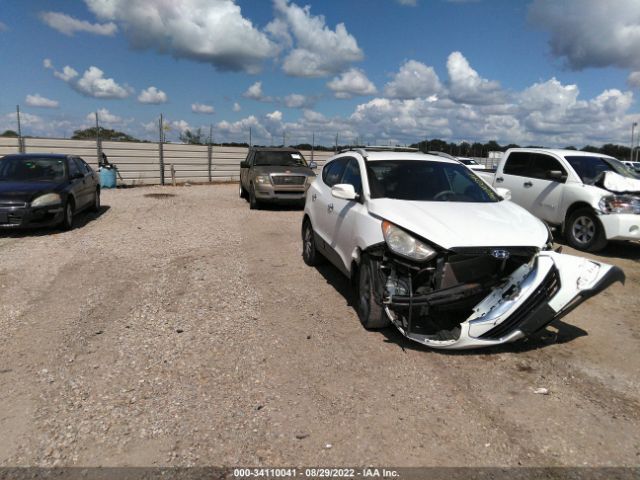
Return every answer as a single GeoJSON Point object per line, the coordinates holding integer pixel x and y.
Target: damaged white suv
{"type": "Point", "coordinates": [434, 250]}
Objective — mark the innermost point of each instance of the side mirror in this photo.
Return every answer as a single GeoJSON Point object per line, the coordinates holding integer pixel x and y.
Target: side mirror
{"type": "Point", "coordinates": [313, 165]}
{"type": "Point", "coordinates": [505, 193]}
{"type": "Point", "coordinates": [244, 164]}
{"type": "Point", "coordinates": [556, 175]}
{"type": "Point", "coordinates": [344, 191]}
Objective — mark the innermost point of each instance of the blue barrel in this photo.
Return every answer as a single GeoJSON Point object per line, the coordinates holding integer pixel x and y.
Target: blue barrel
{"type": "Point", "coordinates": [107, 177]}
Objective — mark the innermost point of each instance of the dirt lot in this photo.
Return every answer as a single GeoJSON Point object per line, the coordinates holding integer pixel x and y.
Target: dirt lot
{"type": "Point", "coordinates": [187, 330]}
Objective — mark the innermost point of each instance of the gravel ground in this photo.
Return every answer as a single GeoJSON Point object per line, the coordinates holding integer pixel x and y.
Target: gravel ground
{"type": "Point", "coordinates": [186, 330]}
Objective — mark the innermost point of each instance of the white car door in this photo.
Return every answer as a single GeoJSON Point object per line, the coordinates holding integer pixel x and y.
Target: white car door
{"type": "Point", "coordinates": [322, 202]}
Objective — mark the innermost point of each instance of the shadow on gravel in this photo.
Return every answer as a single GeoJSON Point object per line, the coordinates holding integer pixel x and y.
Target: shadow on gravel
{"type": "Point", "coordinates": [557, 332]}
{"type": "Point", "coordinates": [281, 207]}
{"type": "Point", "coordinates": [80, 221]}
{"type": "Point", "coordinates": [627, 250]}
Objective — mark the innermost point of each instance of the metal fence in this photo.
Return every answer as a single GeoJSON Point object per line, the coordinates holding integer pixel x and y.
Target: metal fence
{"type": "Point", "coordinates": [143, 163]}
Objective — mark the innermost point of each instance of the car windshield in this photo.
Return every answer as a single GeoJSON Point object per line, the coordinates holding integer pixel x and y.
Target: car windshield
{"type": "Point", "coordinates": [590, 168]}
{"type": "Point", "coordinates": [427, 181]}
{"type": "Point", "coordinates": [287, 159]}
{"type": "Point", "coordinates": [32, 169]}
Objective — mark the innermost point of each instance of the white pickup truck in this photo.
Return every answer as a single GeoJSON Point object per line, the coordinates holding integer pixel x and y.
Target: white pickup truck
{"type": "Point", "coordinates": [592, 197]}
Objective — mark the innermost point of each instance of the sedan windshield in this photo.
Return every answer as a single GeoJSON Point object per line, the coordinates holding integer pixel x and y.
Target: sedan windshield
{"type": "Point", "coordinates": [287, 159]}
{"type": "Point", "coordinates": [427, 181]}
{"type": "Point", "coordinates": [32, 169]}
{"type": "Point", "coordinates": [590, 168]}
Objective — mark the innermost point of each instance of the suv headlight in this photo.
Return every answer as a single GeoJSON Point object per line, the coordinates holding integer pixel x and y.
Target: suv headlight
{"type": "Point", "coordinates": [47, 200]}
{"type": "Point", "coordinates": [262, 179]}
{"type": "Point", "coordinates": [402, 243]}
{"type": "Point", "coordinates": [620, 204]}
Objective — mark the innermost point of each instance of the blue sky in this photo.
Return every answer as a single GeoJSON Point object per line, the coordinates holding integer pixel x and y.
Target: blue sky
{"type": "Point", "coordinates": [553, 72]}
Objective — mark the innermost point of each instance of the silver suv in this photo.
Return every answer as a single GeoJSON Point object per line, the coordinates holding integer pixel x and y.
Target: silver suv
{"type": "Point", "coordinates": [271, 174]}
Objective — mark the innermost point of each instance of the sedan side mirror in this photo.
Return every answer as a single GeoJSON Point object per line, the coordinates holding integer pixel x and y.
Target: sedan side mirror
{"type": "Point", "coordinates": [505, 193]}
{"type": "Point", "coordinates": [313, 165]}
{"type": "Point", "coordinates": [556, 175]}
{"type": "Point", "coordinates": [344, 191]}
{"type": "Point", "coordinates": [244, 164]}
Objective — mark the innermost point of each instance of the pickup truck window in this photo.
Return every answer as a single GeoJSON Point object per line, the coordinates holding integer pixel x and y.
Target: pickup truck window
{"type": "Point", "coordinates": [589, 168]}
{"type": "Point", "coordinates": [532, 165]}
{"type": "Point", "coordinates": [427, 181]}
{"type": "Point", "coordinates": [287, 159]}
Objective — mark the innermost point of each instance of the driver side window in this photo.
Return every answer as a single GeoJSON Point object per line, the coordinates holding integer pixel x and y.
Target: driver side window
{"type": "Point", "coordinates": [352, 176]}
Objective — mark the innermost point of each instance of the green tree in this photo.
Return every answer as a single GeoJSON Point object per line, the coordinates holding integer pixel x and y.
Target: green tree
{"type": "Point", "coordinates": [105, 134]}
{"type": "Point", "coordinates": [193, 138]}
{"type": "Point", "coordinates": [9, 133]}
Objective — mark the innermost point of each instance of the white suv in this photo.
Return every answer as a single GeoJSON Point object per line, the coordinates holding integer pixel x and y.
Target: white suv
{"type": "Point", "coordinates": [434, 250]}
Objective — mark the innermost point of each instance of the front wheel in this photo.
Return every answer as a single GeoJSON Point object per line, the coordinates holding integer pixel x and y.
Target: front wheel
{"type": "Point", "coordinates": [584, 231]}
{"type": "Point", "coordinates": [243, 192]}
{"type": "Point", "coordinates": [253, 201]}
{"type": "Point", "coordinates": [371, 314]}
{"type": "Point", "coordinates": [310, 254]}
{"type": "Point", "coordinates": [96, 201]}
{"type": "Point", "coordinates": [67, 220]}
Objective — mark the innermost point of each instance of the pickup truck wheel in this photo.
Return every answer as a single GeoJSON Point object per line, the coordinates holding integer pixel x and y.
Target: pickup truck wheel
{"type": "Point", "coordinates": [372, 316]}
{"type": "Point", "coordinates": [243, 192]}
{"type": "Point", "coordinates": [310, 254]}
{"type": "Point", "coordinates": [253, 201]}
{"type": "Point", "coordinates": [584, 231]}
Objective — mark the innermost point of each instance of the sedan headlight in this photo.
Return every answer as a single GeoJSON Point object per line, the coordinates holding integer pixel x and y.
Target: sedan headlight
{"type": "Point", "coordinates": [402, 243]}
{"type": "Point", "coordinates": [262, 179]}
{"type": "Point", "coordinates": [620, 204]}
{"type": "Point", "coordinates": [47, 200]}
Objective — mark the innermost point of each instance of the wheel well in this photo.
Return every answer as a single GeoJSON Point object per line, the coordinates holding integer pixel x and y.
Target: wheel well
{"type": "Point", "coordinates": [573, 208]}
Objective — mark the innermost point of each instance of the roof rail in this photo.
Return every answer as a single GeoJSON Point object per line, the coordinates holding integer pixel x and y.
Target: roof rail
{"type": "Point", "coordinates": [377, 148]}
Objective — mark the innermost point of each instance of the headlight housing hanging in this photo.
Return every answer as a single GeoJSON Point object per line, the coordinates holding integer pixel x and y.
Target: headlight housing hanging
{"type": "Point", "coordinates": [402, 243]}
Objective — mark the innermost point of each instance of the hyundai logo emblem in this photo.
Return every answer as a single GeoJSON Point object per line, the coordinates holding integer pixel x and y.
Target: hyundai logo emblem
{"type": "Point", "coordinates": [500, 254]}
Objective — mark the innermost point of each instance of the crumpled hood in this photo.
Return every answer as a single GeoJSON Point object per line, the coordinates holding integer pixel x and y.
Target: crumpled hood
{"type": "Point", "coordinates": [461, 224]}
{"type": "Point", "coordinates": [25, 191]}
{"type": "Point", "coordinates": [614, 182]}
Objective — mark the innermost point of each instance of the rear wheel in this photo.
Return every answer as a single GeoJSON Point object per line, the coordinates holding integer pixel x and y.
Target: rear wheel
{"type": "Point", "coordinates": [584, 231]}
{"type": "Point", "coordinates": [67, 220]}
{"type": "Point", "coordinates": [371, 314]}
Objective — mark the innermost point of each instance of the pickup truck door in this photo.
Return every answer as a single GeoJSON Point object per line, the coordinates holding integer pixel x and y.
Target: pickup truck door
{"type": "Point", "coordinates": [533, 187]}
{"type": "Point", "coordinates": [244, 172]}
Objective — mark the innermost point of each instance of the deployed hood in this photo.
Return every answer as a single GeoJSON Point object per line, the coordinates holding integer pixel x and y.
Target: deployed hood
{"type": "Point", "coordinates": [458, 224]}
{"type": "Point", "coordinates": [614, 182]}
{"type": "Point", "coordinates": [25, 191]}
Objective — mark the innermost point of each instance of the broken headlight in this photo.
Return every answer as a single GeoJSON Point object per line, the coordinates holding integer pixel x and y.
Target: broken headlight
{"type": "Point", "coordinates": [620, 204]}
{"type": "Point", "coordinates": [402, 243]}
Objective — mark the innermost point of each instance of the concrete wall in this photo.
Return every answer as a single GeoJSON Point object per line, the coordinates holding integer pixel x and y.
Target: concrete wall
{"type": "Point", "coordinates": [139, 162]}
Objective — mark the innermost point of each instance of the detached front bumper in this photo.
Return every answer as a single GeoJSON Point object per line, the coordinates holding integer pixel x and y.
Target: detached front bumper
{"type": "Point", "coordinates": [532, 297]}
{"type": "Point", "coordinates": [22, 216]}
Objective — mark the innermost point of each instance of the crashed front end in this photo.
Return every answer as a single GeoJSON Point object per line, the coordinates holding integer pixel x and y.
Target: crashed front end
{"type": "Point", "coordinates": [478, 297]}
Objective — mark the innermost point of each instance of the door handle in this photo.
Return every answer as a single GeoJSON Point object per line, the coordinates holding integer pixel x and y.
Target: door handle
{"type": "Point", "coordinates": [330, 208]}
{"type": "Point", "coordinates": [313, 197]}
{"type": "Point", "coordinates": [528, 184]}
{"type": "Point", "coordinates": [499, 180]}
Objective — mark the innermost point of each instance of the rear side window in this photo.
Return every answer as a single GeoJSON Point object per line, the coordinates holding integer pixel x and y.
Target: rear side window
{"type": "Point", "coordinates": [517, 164]}
{"type": "Point", "coordinates": [332, 172]}
{"type": "Point", "coordinates": [84, 165]}
{"type": "Point", "coordinates": [532, 165]}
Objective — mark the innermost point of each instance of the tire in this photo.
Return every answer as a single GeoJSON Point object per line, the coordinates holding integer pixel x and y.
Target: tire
{"type": "Point", "coordinates": [95, 207]}
{"type": "Point", "coordinates": [67, 220]}
{"type": "Point", "coordinates": [254, 204]}
{"type": "Point", "coordinates": [584, 231]}
{"type": "Point", "coordinates": [371, 314]}
{"type": "Point", "coordinates": [310, 254]}
{"type": "Point", "coordinates": [243, 192]}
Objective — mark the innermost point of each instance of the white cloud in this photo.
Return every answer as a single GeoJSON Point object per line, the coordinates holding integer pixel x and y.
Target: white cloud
{"type": "Point", "coordinates": [466, 86]}
{"type": "Point", "coordinates": [46, 63]}
{"type": "Point", "coordinates": [254, 92]}
{"type": "Point", "coordinates": [591, 33]}
{"type": "Point", "coordinates": [275, 116]}
{"type": "Point", "coordinates": [408, 3]}
{"type": "Point", "coordinates": [634, 80]}
{"type": "Point", "coordinates": [202, 108]}
{"type": "Point", "coordinates": [350, 83]}
{"type": "Point", "coordinates": [105, 117]}
{"type": "Point", "coordinates": [92, 83]}
{"type": "Point", "coordinates": [69, 26]}
{"type": "Point", "coordinates": [297, 100]}
{"type": "Point", "coordinates": [317, 50]}
{"type": "Point", "coordinates": [67, 74]}
{"type": "Point", "coordinates": [180, 125]}
{"type": "Point", "coordinates": [152, 95]}
{"type": "Point", "coordinates": [209, 31]}
{"type": "Point", "coordinates": [3, 27]}
{"type": "Point", "coordinates": [413, 80]}
{"type": "Point", "coordinates": [236, 107]}
{"type": "Point", "coordinates": [38, 100]}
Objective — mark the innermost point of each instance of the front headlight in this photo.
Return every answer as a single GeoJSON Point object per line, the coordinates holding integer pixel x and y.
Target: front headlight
{"type": "Point", "coordinates": [620, 204]}
{"type": "Point", "coordinates": [262, 179]}
{"type": "Point", "coordinates": [47, 200]}
{"type": "Point", "coordinates": [402, 243]}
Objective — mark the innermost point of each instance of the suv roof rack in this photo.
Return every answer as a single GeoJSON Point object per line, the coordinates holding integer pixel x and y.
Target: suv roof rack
{"type": "Point", "coordinates": [377, 148]}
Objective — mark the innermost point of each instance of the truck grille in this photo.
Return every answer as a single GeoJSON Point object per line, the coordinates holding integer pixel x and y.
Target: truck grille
{"type": "Point", "coordinates": [545, 291]}
{"type": "Point", "coordinates": [288, 179]}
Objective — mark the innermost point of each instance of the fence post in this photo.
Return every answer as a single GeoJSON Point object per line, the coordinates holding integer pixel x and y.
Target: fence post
{"type": "Point", "coordinates": [210, 152]}
{"type": "Point", "coordinates": [21, 148]}
{"type": "Point", "coordinates": [98, 141]}
{"type": "Point", "coordinates": [160, 151]}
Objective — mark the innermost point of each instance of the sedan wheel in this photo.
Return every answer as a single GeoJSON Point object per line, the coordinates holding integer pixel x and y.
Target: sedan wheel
{"type": "Point", "coordinates": [96, 202]}
{"type": "Point", "coordinates": [67, 221]}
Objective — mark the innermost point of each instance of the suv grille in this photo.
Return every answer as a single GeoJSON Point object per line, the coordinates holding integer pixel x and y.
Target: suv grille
{"type": "Point", "coordinates": [288, 179]}
{"type": "Point", "coordinates": [547, 289]}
